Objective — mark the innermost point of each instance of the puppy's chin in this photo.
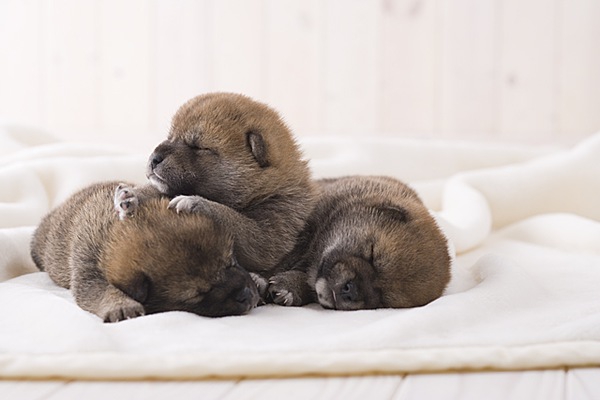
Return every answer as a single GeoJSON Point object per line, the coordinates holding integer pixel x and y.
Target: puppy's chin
{"type": "Point", "coordinates": [325, 294]}
{"type": "Point", "coordinates": [158, 183]}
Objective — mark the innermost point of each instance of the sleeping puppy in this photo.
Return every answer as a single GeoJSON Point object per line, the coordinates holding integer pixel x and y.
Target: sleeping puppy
{"type": "Point", "coordinates": [122, 260]}
{"type": "Point", "coordinates": [235, 160]}
{"type": "Point", "coordinates": [369, 243]}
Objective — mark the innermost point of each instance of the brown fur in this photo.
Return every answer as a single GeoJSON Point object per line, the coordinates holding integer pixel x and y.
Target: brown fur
{"type": "Point", "coordinates": [234, 159]}
{"type": "Point", "coordinates": [152, 260]}
{"type": "Point", "coordinates": [369, 243]}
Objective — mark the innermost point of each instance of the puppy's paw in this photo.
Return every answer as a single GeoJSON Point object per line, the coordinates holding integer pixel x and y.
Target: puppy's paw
{"type": "Point", "coordinates": [290, 288]}
{"type": "Point", "coordinates": [262, 285]}
{"type": "Point", "coordinates": [281, 290]}
{"type": "Point", "coordinates": [188, 204]}
{"type": "Point", "coordinates": [125, 201]}
{"type": "Point", "coordinates": [281, 296]}
{"type": "Point", "coordinates": [125, 308]}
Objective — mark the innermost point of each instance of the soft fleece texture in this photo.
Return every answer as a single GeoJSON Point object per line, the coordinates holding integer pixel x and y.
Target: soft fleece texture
{"type": "Point", "coordinates": [525, 291]}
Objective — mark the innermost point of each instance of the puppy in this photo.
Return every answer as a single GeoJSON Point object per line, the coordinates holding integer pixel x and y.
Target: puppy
{"type": "Point", "coordinates": [122, 260]}
{"type": "Point", "coordinates": [369, 243]}
{"type": "Point", "coordinates": [234, 159]}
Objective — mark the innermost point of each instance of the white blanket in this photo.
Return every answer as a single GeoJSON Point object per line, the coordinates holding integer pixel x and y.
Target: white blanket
{"type": "Point", "coordinates": [525, 291]}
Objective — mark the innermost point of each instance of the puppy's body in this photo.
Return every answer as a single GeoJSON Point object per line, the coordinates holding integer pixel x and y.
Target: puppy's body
{"type": "Point", "coordinates": [234, 159]}
{"type": "Point", "coordinates": [369, 243]}
{"type": "Point", "coordinates": [151, 260]}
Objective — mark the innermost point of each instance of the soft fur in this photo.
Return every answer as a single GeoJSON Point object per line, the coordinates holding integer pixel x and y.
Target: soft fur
{"type": "Point", "coordinates": [122, 259]}
{"type": "Point", "coordinates": [369, 243]}
{"type": "Point", "coordinates": [234, 159]}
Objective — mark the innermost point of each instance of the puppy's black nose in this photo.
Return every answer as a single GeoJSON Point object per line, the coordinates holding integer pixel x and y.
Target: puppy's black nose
{"type": "Point", "coordinates": [349, 292]}
{"type": "Point", "coordinates": [156, 159]}
{"type": "Point", "coordinates": [244, 295]}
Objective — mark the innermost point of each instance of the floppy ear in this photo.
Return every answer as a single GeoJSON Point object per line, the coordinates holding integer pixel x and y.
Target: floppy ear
{"type": "Point", "coordinates": [135, 286]}
{"type": "Point", "coordinates": [395, 212]}
{"type": "Point", "coordinates": [258, 147]}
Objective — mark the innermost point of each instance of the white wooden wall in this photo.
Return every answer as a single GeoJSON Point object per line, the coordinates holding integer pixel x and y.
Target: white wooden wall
{"type": "Point", "coordinates": [116, 70]}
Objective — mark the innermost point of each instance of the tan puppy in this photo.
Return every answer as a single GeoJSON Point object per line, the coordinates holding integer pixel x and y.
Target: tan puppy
{"type": "Point", "coordinates": [369, 243]}
{"type": "Point", "coordinates": [235, 160]}
{"type": "Point", "coordinates": [122, 260]}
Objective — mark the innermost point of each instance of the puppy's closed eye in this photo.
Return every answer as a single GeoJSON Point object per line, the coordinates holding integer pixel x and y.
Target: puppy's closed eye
{"type": "Point", "coordinates": [200, 149]}
{"type": "Point", "coordinates": [367, 252]}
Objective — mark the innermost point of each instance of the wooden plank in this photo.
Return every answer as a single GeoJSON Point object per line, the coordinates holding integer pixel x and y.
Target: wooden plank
{"type": "Point", "coordinates": [143, 390]}
{"type": "Point", "coordinates": [29, 390]}
{"type": "Point", "coordinates": [364, 387]}
{"type": "Point", "coordinates": [583, 384]}
{"type": "Point", "coordinates": [351, 76]}
{"type": "Point", "coordinates": [294, 62]}
{"type": "Point", "coordinates": [70, 67]}
{"type": "Point", "coordinates": [579, 69]}
{"type": "Point", "coordinates": [469, 55]}
{"type": "Point", "coordinates": [181, 58]}
{"type": "Point", "coordinates": [238, 50]}
{"type": "Point", "coordinates": [401, 66]}
{"type": "Point", "coordinates": [409, 67]}
{"type": "Point", "coordinates": [20, 75]}
{"type": "Point", "coordinates": [521, 385]}
{"type": "Point", "coordinates": [528, 70]}
{"type": "Point", "coordinates": [126, 72]}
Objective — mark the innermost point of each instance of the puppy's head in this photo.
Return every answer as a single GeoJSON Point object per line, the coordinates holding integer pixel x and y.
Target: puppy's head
{"type": "Point", "coordinates": [383, 256]}
{"type": "Point", "coordinates": [226, 148]}
{"type": "Point", "coordinates": [168, 262]}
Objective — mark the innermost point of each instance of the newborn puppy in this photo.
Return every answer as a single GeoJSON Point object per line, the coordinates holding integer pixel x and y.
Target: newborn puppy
{"type": "Point", "coordinates": [235, 160]}
{"type": "Point", "coordinates": [369, 243]}
{"type": "Point", "coordinates": [122, 260]}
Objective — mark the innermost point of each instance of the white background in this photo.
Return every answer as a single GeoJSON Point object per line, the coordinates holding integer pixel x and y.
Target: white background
{"type": "Point", "coordinates": [115, 71]}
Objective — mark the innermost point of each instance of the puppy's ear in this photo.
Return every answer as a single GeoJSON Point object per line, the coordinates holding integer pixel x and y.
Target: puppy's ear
{"type": "Point", "coordinates": [394, 212]}
{"type": "Point", "coordinates": [258, 147]}
{"type": "Point", "coordinates": [136, 286]}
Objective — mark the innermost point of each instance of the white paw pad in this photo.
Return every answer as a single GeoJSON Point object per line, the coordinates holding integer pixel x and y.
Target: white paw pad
{"type": "Point", "coordinates": [125, 201]}
{"type": "Point", "coordinates": [183, 204]}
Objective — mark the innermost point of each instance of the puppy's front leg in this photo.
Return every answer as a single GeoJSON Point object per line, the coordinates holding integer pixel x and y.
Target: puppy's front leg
{"type": "Point", "coordinates": [94, 294]}
{"type": "Point", "coordinates": [252, 246]}
{"type": "Point", "coordinates": [290, 288]}
{"type": "Point", "coordinates": [90, 288]}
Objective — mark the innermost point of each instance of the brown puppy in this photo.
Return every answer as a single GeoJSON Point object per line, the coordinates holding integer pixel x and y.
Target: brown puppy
{"type": "Point", "coordinates": [122, 260]}
{"type": "Point", "coordinates": [235, 160]}
{"type": "Point", "coordinates": [369, 243]}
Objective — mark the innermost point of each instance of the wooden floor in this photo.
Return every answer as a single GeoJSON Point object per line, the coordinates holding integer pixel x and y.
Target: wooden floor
{"type": "Point", "coordinates": [573, 384]}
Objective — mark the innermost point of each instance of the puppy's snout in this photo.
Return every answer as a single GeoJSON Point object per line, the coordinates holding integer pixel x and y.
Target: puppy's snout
{"type": "Point", "coordinates": [349, 292]}
{"type": "Point", "coordinates": [244, 295]}
{"type": "Point", "coordinates": [247, 298]}
{"type": "Point", "coordinates": [156, 159]}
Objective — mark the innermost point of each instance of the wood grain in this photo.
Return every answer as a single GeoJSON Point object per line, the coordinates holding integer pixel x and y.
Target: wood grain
{"type": "Point", "coordinates": [492, 70]}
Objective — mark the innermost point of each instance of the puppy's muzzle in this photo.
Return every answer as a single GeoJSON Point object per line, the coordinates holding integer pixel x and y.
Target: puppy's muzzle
{"type": "Point", "coordinates": [159, 154]}
{"type": "Point", "coordinates": [245, 295]}
{"type": "Point", "coordinates": [155, 159]}
{"type": "Point", "coordinates": [247, 298]}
